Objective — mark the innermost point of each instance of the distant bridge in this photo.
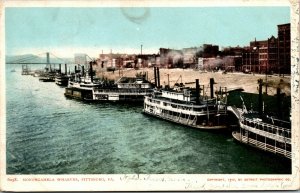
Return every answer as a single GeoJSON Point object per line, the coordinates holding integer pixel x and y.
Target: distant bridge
{"type": "Point", "coordinates": [33, 63]}
{"type": "Point", "coordinates": [26, 60]}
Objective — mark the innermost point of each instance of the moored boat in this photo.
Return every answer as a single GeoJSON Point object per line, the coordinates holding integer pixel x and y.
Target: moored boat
{"type": "Point", "coordinates": [126, 89]}
{"type": "Point", "coordinates": [62, 80]}
{"type": "Point", "coordinates": [187, 107]}
{"type": "Point", "coordinates": [259, 130]}
{"type": "Point", "coordinates": [47, 78]}
{"type": "Point", "coordinates": [267, 133]}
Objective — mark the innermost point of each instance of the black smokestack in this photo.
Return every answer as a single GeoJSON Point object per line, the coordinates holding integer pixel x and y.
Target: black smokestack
{"type": "Point", "coordinates": [155, 77]}
{"type": "Point", "coordinates": [75, 69]}
{"type": "Point", "coordinates": [260, 97]}
{"type": "Point", "coordinates": [66, 69]}
{"type": "Point", "coordinates": [158, 78]}
{"type": "Point", "coordinates": [197, 92]}
{"type": "Point", "coordinates": [212, 87]}
{"type": "Point", "coordinates": [279, 102]}
{"type": "Point", "coordinates": [59, 68]}
{"type": "Point", "coordinates": [82, 68]}
{"type": "Point", "coordinates": [91, 71]}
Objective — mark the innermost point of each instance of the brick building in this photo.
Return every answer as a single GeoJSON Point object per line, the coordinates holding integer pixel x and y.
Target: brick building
{"type": "Point", "coordinates": [232, 57]}
{"type": "Point", "coordinates": [261, 56]}
{"type": "Point", "coordinates": [284, 48]}
{"type": "Point", "coordinates": [269, 56]}
{"type": "Point", "coordinates": [272, 55]}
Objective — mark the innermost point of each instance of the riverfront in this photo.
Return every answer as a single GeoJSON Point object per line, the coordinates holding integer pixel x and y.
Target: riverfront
{"type": "Point", "coordinates": [49, 134]}
{"type": "Point", "coordinates": [230, 80]}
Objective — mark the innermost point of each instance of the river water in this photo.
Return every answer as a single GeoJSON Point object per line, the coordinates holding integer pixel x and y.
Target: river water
{"type": "Point", "coordinates": [47, 133]}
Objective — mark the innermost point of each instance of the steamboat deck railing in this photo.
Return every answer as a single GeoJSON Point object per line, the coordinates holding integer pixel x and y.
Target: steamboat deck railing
{"type": "Point", "coordinates": [263, 146]}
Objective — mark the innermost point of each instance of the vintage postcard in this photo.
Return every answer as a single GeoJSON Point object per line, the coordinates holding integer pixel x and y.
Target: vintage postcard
{"type": "Point", "coordinates": [149, 95]}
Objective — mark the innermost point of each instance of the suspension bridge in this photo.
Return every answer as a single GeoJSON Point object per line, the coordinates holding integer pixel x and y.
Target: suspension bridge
{"type": "Point", "coordinates": [38, 59]}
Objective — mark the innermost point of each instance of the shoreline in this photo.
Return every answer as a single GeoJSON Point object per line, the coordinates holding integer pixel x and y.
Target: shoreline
{"type": "Point", "coordinates": [231, 80]}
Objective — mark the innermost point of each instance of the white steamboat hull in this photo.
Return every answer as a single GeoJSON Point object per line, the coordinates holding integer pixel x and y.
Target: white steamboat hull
{"type": "Point", "coordinates": [184, 115]}
{"type": "Point", "coordinates": [260, 145]}
{"type": "Point", "coordinates": [186, 122]}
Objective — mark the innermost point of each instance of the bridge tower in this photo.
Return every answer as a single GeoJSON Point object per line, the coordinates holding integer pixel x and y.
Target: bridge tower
{"type": "Point", "coordinates": [48, 57]}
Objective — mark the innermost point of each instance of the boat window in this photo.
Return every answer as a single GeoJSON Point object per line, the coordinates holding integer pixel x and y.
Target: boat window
{"type": "Point", "coordinates": [270, 129]}
{"type": "Point", "coordinates": [267, 129]}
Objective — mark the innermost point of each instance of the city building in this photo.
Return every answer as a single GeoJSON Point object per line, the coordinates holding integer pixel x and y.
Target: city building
{"type": "Point", "coordinates": [272, 55]}
{"type": "Point", "coordinates": [260, 56]}
{"type": "Point", "coordinates": [232, 58]}
{"type": "Point", "coordinates": [269, 56]}
{"type": "Point", "coordinates": [284, 48]}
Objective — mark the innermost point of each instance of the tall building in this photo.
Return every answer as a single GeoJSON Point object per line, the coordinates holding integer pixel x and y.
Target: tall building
{"type": "Point", "coordinates": [261, 56]}
{"type": "Point", "coordinates": [284, 48]}
{"type": "Point", "coordinates": [272, 55]}
{"type": "Point", "coordinates": [267, 54]}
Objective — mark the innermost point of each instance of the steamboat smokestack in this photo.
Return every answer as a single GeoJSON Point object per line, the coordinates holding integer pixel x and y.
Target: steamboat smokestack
{"type": "Point", "coordinates": [82, 69]}
{"type": "Point", "coordinates": [75, 69]}
{"type": "Point", "coordinates": [197, 92]}
{"type": "Point", "coordinates": [212, 87]}
{"type": "Point", "coordinates": [155, 77]}
{"type": "Point", "coordinates": [91, 71]}
{"type": "Point", "coordinates": [66, 69]}
{"type": "Point", "coordinates": [260, 106]}
{"type": "Point", "coordinates": [158, 78]}
{"type": "Point", "coordinates": [59, 68]}
{"type": "Point", "coordinates": [279, 102]}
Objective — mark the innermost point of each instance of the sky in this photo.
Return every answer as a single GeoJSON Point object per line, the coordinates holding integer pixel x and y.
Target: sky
{"type": "Point", "coordinates": [65, 31]}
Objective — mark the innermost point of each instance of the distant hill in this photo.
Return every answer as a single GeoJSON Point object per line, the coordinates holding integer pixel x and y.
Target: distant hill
{"type": "Point", "coordinates": [35, 59]}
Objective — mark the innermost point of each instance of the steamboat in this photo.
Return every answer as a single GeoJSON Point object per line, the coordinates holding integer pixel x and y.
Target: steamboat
{"type": "Point", "coordinates": [267, 133]}
{"type": "Point", "coordinates": [129, 89]}
{"type": "Point", "coordinates": [62, 79]}
{"type": "Point", "coordinates": [186, 106]}
{"type": "Point", "coordinates": [48, 75]}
